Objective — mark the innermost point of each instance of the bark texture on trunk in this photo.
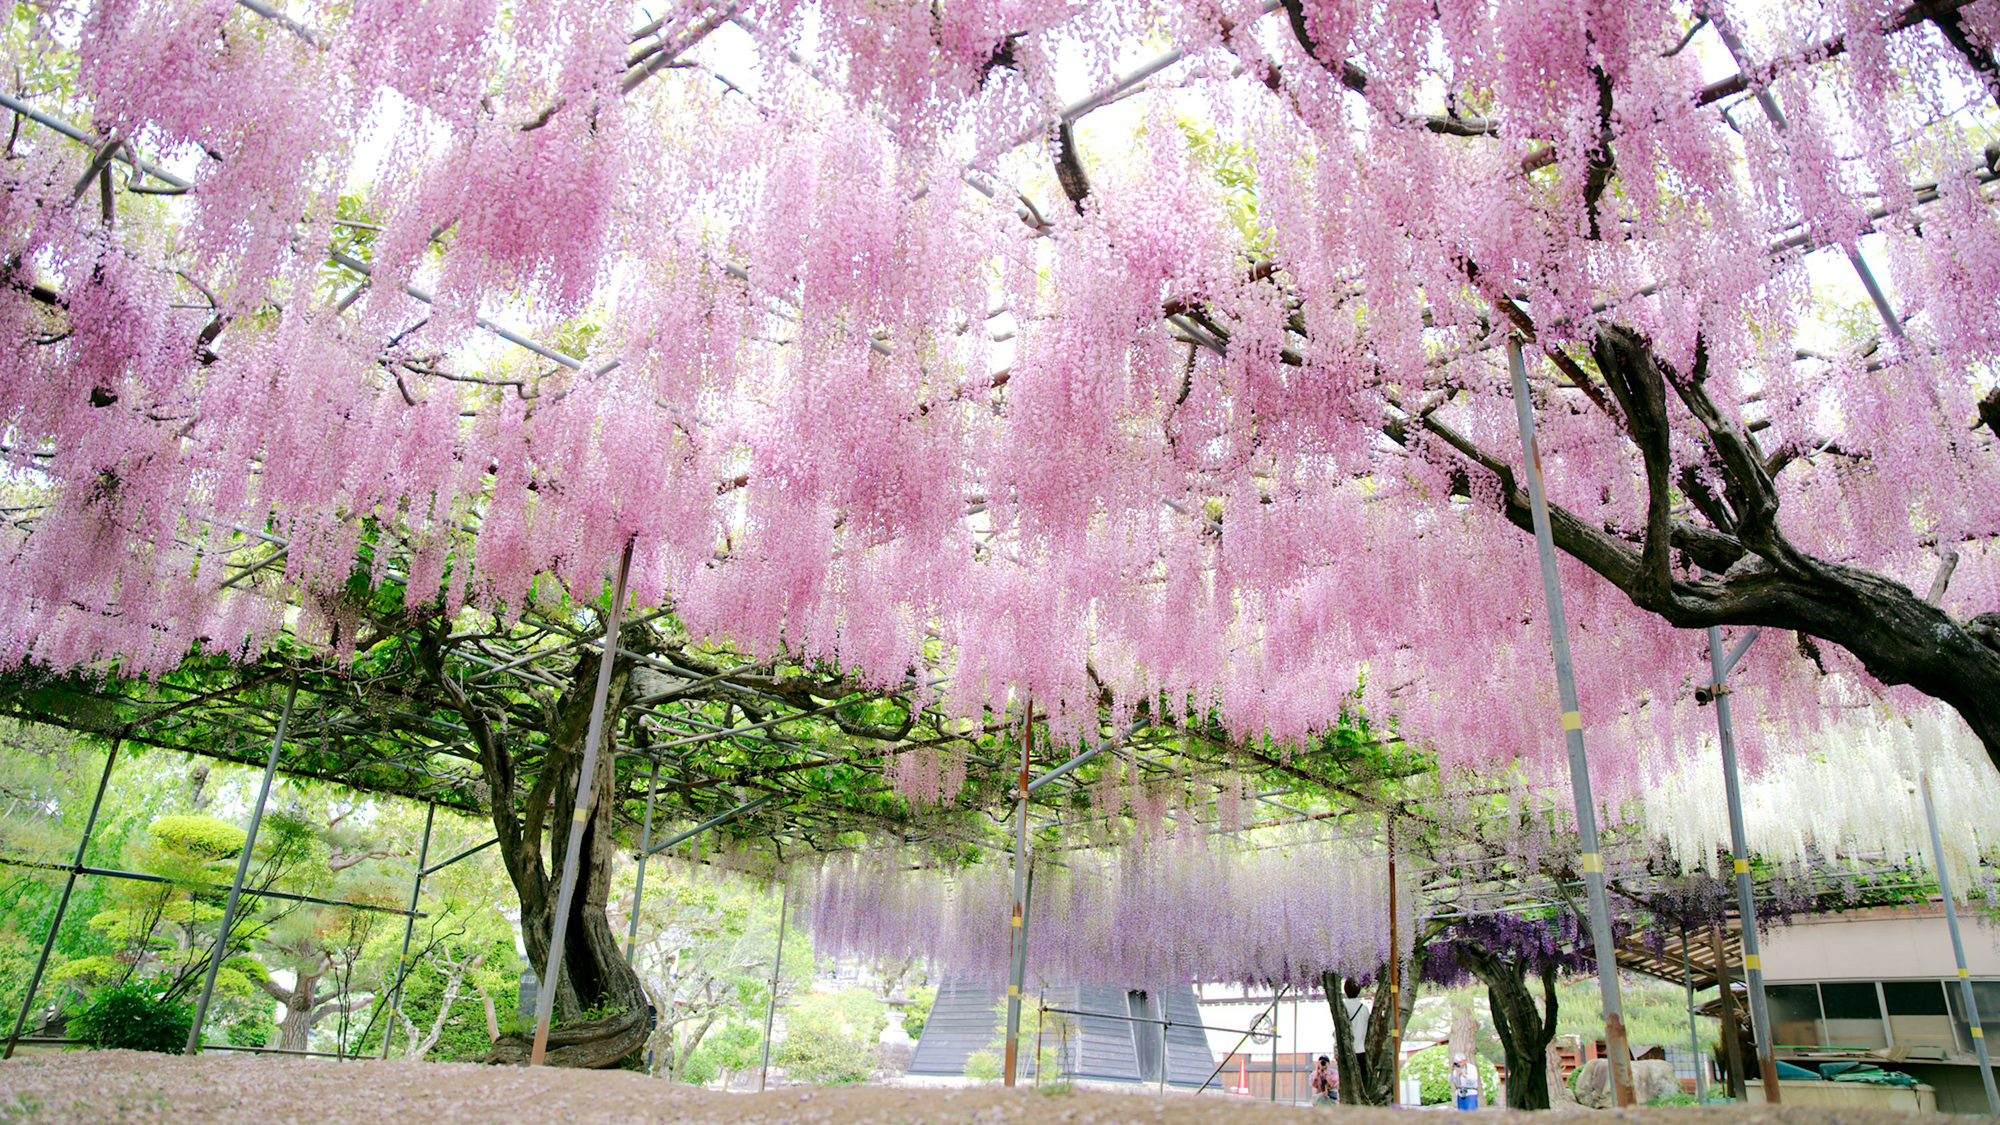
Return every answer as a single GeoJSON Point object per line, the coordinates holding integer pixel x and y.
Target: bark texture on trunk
{"type": "Point", "coordinates": [1366, 1069]}
{"type": "Point", "coordinates": [1731, 529]}
{"type": "Point", "coordinates": [295, 1030]}
{"type": "Point", "coordinates": [594, 979]}
{"type": "Point", "coordinates": [1524, 1032]}
{"type": "Point", "coordinates": [305, 1005]}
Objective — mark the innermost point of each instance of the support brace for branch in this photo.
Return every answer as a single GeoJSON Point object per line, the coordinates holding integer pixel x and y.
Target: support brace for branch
{"type": "Point", "coordinates": [1746, 902]}
{"type": "Point", "coordinates": [1603, 947]}
{"type": "Point", "coordinates": [1966, 997]}
{"type": "Point", "coordinates": [585, 795]}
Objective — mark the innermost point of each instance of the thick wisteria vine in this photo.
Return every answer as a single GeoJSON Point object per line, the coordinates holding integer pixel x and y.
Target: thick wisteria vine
{"type": "Point", "coordinates": [1201, 398]}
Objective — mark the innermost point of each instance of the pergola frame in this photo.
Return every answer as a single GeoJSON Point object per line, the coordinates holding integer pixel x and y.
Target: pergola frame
{"type": "Point", "coordinates": [786, 808]}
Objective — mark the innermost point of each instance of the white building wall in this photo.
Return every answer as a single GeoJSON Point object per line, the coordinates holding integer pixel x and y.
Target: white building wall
{"type": "Point", "coordinates": [1880, 943]}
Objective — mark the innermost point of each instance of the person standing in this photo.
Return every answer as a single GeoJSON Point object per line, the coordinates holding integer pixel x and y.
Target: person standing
{"type": "Point", "coordinates": [1358, 1011]}
{"type": "Point", "coordinates": [1464, 1084]}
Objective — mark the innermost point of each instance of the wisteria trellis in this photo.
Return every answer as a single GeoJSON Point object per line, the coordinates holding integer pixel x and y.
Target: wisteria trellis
{"type": "Point", "coordinates": [1210, 405]}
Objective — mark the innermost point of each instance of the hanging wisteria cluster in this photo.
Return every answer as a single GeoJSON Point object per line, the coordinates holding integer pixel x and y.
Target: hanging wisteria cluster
{"type": "Point", "coordinates": [865, 353]}
{"type": "Point", "coordinates": [1855, 795]}
{"type": "Point", "coordinates": [1186, 909]}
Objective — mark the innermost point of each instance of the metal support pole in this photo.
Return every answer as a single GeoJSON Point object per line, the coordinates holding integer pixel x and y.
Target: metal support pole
{"type": "Point", "coordinates": [1694, 1037]}
{"type": "Point", "coordinates": [409, 929]}
{"type": "Point", "coordinates": [711, 822]}
{"type": "Point", "coordinates": [645, 846]}
{"type": "Point", "coordinates": [1776, 116]}
{"type": "Point", "coordinates": [1064, 770]}
{"type": "Point", "coordinates": [545, 1002]}
{"type": "Point", "coordinates": [1395, 981]}
{"type": "Point", "coordinates": [1275, 1037]}
{"type": "Point", "coordinates": [1163, 1041]}
{"type": "Point", "coordinates": [1746, 903]}
{"type": "Point", "coordinates": [1295, 1048]}
{"type": "Point", "coordinates": [1272, 1015]}
{"type": "Point", "coordinates": [1016, 945]}
{"type": "Point", "coordinates": [242, 870]}
{"type": "Point", "coordinates": [1958, 954]}
{"type": "Point", "coordinates": [466, 854]}
{"type": "Point", "coordinates": [1572, 720]}
{"type": "Point", "coordinates": [777, 969]}
{"type": "Point", "coordinates": [62, 903]}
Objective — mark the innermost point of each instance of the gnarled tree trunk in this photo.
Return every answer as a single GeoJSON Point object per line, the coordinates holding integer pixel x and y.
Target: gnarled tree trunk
{"type": "Point", "coordinates": [1370, 1078]}
{"type": "Point", "coordinates": [1524, 1032]}
{"type": "Point", "coordinates": [305, 1005]}
{"type": "Point", "coordinates": [594, 978]}
{"type": "Point", "coordinates": [295, 1029]}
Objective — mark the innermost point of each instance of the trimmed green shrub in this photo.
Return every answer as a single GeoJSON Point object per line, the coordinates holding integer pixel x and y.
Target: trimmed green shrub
{"type": "Point", "coordinates": [259, 1030]}
{"type": "Point", "coordinates": [130, 1016]}
{"type": "Point", "coordinates": [198, 837]}
{"type": "Point", "coordinates": [733, 1048]}
{"type": "Point", "coordinates": [918, 1013]}
{"type": "Point", "coordinates": [830, 1037]}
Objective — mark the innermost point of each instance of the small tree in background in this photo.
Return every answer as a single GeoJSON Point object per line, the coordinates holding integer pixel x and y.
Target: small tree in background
{"type": "Point", "coordinates": [705, 955]}
{"type": "Point", "coordinates": [830, 1037]}
{"type": "Point", "coordinates": [1502, 951]}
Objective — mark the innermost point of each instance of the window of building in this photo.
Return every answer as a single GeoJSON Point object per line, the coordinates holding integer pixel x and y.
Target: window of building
{"type": "Point", "coordinates": [1986, 994]}
{"type": "Point", "coordinates": [1919, 1015]}
{"type": "Point", "coordinates": [1852, 1015]}
{"type": "Point", "coordinates": [1794, 1014]}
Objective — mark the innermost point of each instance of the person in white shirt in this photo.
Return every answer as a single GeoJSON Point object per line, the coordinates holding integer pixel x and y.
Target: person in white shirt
{"type": "Point", "coordinates": [1464, 1084]}
{"type": "Point", "coordinates": [1358, 1011]}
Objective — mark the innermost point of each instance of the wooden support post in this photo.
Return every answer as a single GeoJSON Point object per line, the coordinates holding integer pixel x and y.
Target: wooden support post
{"type": "Point", "coordinates": [1732, 1044]}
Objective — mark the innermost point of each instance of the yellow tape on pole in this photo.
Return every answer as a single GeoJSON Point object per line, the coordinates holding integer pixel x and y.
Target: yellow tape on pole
{"type": "Point", "coordinates": [1572, 720]}
{"type": "Point", "coordinates": [1590, 862]}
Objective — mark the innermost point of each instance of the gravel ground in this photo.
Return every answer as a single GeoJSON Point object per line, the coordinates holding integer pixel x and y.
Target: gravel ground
{"type": "Point", "coordinates": [120, 1086]}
